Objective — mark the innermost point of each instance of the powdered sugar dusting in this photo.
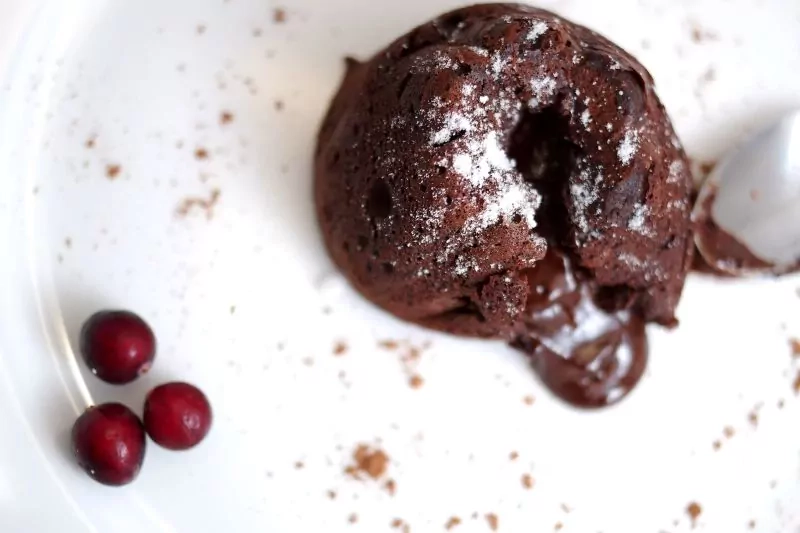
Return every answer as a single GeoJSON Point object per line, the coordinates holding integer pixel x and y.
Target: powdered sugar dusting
{"type": "Point", "coordinates": [631, 260]}
{"type": "Point", "coordinates": [638, 219]}
{"type": "Point", "coordinates": [512, 199]}
{"type": "Point", "coordinates": [586, 118]}
{"type": "Point", "coordinates": [676, 169]}
{"type": "Point", "coordinates": [454, 122]}
{"type": "Point", "coordinates": [628, 146]}
{"type": "Point", "coordinates": [481, 158]}
{"type": "Point", "coordinates": [584, 193]}
{"type": "Point", "coordinates": [538, 29]}
{"type": "Point", "coordinates": [477, 155]}
{"type": "Point", "coordinates": [542, 87]}
{"type": "Point", "coordinates": [498, 64]}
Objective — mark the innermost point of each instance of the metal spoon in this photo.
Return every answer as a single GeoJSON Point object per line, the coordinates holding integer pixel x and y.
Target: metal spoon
{"type": "Point", "coordinates": [748, 210]}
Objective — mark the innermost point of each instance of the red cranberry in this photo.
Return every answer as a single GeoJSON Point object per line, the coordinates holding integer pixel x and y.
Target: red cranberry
{"type": "Point", "coordinates": [177, 415]}
{"type": "Point", "coordinates": [109, 442]}
{"type": "Point", "coordinates": [118, 346]}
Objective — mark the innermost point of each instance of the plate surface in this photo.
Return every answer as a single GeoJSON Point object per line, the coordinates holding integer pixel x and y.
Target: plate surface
{"type": "Point", "coordinates": [120, 122]}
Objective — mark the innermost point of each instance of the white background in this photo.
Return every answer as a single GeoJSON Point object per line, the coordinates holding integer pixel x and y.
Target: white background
{"type": "Point", "coordinates": [247, 305]}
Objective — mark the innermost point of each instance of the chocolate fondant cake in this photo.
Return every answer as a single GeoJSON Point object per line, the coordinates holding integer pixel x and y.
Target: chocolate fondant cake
{"type": "Point", "coordinates": [501, 172]}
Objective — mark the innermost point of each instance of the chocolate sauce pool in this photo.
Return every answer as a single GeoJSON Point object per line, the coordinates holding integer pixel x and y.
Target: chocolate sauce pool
{"type": "Point", "coordinates": [724, 254]}
{"type": "Point", "coordinates": [586, 356]}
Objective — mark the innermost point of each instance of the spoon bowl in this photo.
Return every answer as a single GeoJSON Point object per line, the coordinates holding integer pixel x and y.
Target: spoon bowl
{"type": "Point", "coordinates": [748, 211]}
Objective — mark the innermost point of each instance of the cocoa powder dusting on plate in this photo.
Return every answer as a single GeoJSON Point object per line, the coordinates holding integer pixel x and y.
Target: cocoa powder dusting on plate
{"type": "Point", "coordinates": [752, 416]}
{"type": "Point", "coordinates": [225, 117]}
{"type": "Point", "coordinates": [113, 171]}
{"type": "Point", "coordinates": [453, 522]}
{"type": "Point", "coordinates": [527, 481]}
{"type": "Point", "coordinates": [389, 344]}
{"type": "Point", "coordinates": [528, 400]}
{"type": "Point", "coordinates": [694, 511]}
{"type": "Point", "coordinates": [368, 461]}
{"type": "Point", "coordinates": [205, 204]}
{"type": "Point", "coordinates": [400, 524]}
{"type": "Point", "coordinates": [794, 344]}
{"type": "Point", "coordinates": [340, 348]}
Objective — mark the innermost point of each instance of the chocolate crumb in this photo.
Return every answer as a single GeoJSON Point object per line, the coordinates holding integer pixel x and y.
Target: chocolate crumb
{"type": "Point", "coordinates": [751, 524]}
{"type": "Point", "coordinates": [752, 416]}
{"type": "Point", "coordinates": [558, 527]}
{"type": "Point", "coordinates": [207, 205]}
{"type": "Point", "coordinates": [389, 344]}
{"type": "Point", "coordinates": [729, 432]}
{"type": "Point", "coordinates": [415, 381]}
{"type": "Point", "coordinates": [527, 481]}
{"type": "Point", "coordinates": [226, 117]}
{"type": "Point", "coordinates": [279, 105]}
{"type": "Point", "coordinates": [112, 171]}
{"type": "Point", "coordinates": [707, 167]}
{"type": "Point", "coordinates": [493, 521]}
{"type": "Point", "coordinates": [201, 153]}
{"type": "Point", "coordinates": [332, 494]}
{"type": "Point", "coordinates": [398, 523]}
{"type": "Point", "coordinates": [795, 346]}
{"type": "Point", "coordinates": [390, 486]}
{"type": "Point", "coordinates": [528, 400]}
{"type": "Point", "coordinates": [566, 508]}
{"type": "Point", "coordinates": [279, 15]}
{"type": "Point", "coordinates": [353, 518]}
{"type": "Point", "coordinates": [716, 445]}
{"type": "Point", "coordinates": [513, 456]}
{"type": "Point", "coordinates": [453, 522]}
{"type": "Point", "coordinates": [372, 462]}
{"type": "Point", "coordinates": [299, 465]}
{"type": "Point", "coordinates": [340, 348]}
{"type": "Point", "coordinates": [700, 34]}
{"type": "Point", "coordinates": [694, 511]}
{"type": "Point", "coordinates": [90, 142]}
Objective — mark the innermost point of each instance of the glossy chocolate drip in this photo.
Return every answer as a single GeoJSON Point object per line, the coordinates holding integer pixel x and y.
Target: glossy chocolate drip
{"type": "Point", "coordinates": [724, 254]}
{"type": "Point", "coordinates": [585, 355]}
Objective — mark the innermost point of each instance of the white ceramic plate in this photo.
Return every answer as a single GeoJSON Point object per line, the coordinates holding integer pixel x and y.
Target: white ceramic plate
{"type": "Point", "coordinates": [247, 305]}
